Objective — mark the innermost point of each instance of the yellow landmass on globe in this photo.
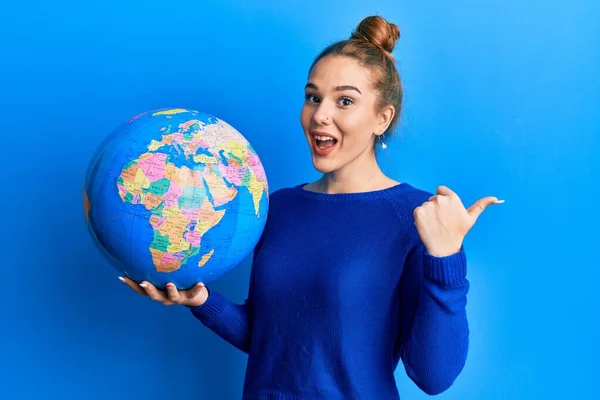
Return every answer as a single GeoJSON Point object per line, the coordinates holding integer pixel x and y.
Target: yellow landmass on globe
{"type": "Point", "coordinates": [134, 180]}
{"type": "Point", "coordinates": [205, 159]}
{"type": "Point", "coordinates": [170, 112]}
{"type": "Point", "coordinates": [207, 217]}
{"type": "Point", "coordinates": [141, 180]}
{"type": "Point", "coordinates": [174, 224]}
{"type": "Point", "coordinates": [236, 148]}
{"type": "Point", "coordinates": [256, 189]}
{"type": "Point", "coordinates": [221, 193]}
{"type": "Point", "coordinates": [178, 244]}
{"type": "Point", "coordinates": [205, 258]}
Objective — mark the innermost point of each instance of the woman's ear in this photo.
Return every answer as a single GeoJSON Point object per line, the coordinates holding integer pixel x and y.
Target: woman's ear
{"type": "Point", "coordinates": [385, 117]}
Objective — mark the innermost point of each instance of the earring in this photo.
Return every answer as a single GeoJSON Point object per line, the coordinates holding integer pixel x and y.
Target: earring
{"type": "Point", "coordinates": [383, 145]}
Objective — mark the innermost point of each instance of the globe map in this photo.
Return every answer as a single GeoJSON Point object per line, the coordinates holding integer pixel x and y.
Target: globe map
{"type": "Point", "coordinates": [175, 195]}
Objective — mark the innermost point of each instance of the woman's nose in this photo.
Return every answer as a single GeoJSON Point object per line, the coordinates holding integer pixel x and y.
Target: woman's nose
{"type": "Point", "coordinates": [322, 115]}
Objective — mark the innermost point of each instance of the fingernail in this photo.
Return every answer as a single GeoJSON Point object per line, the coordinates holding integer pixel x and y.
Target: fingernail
{"type": "Point", "coordinates": [143, 284]}
{"type": "Point", "coordinates": [201, 284]}
{"type": "Point", "coordinates": [170, 285]}
{"type": "Point", "coordinates": [122, 279]}
{"type": "Point", "coordinates": [499, 201]}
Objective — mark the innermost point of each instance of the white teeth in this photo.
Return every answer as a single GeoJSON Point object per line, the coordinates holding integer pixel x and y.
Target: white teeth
{"type": "Point", "coordinates": [323, 138]}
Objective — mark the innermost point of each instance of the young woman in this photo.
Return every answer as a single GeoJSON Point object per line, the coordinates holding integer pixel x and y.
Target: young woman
{"type": "Point", "coordinates": [355, 271]}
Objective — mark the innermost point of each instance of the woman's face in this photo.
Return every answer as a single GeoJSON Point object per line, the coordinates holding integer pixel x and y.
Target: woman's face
{"type": "Point", "coordinates": [340, 117]}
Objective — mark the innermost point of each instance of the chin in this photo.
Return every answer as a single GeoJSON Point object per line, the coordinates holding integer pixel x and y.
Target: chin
{"type": "Point", "coordinates": [323, 166]}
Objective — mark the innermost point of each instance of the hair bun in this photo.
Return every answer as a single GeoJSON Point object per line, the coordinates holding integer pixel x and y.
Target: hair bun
{"type": "Point", "coordinates": [378, 31]}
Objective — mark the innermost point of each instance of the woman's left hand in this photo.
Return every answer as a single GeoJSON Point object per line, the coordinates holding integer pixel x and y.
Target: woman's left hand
{"type": "Point", "coordinates": [443, 222]}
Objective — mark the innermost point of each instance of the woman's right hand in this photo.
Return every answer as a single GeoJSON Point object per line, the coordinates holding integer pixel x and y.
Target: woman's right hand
{"type": "Point", "coordinates": [193, 297]}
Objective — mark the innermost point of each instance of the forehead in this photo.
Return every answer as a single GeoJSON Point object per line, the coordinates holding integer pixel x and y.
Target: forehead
{"type": "Point", "coordinates": [333, 71]}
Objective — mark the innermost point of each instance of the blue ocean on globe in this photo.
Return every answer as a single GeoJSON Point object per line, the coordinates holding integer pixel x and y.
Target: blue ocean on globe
{"type": "Point", "coordinates": [175, 195]}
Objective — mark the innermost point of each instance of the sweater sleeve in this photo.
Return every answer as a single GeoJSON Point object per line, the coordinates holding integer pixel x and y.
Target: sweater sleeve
{"type": "Point", "coordinates": [434, 328]}
{"type": "Point", "coordinates": [228, 320]}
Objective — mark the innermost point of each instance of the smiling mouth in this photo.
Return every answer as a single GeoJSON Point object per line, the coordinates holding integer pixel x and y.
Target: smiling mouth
{"type": "Point", "coordinates": [323, 145]}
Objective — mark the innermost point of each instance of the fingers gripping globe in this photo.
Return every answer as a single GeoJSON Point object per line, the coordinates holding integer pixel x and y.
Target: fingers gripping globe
{"type": "Point", "coordinates": [175, 195]}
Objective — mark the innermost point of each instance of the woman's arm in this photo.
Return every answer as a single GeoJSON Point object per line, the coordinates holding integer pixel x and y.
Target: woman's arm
{"type": "Point", "coordinates": [434, 328]}
{"type": "Point", "coordinates": [230, 321]}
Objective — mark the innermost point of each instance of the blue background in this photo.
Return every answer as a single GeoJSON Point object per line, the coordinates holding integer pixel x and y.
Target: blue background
{"type": "Point", "coordinates": [502, 98]}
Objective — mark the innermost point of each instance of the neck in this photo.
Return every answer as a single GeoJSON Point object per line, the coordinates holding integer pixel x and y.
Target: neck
{"type": "Point", "coordinates": [357, 176]}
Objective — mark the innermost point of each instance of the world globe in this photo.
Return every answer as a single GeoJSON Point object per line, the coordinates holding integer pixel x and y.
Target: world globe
{"type": "Point", "coordinates": [175, 195]}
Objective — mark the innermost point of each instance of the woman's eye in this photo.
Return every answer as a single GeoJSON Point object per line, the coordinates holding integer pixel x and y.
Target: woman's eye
{"type": "Point", "coordinates": [311, 98]}
{"type": "Point", "coordinates": [345, 102]}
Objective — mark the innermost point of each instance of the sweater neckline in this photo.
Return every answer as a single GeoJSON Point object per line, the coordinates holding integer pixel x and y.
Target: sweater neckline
{"type": "Point", "coordinates": [368, 195]}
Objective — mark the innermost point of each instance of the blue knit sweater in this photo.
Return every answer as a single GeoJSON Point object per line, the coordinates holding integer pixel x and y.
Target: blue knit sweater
{"type": "Point", "coordinates": [342, 289]}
